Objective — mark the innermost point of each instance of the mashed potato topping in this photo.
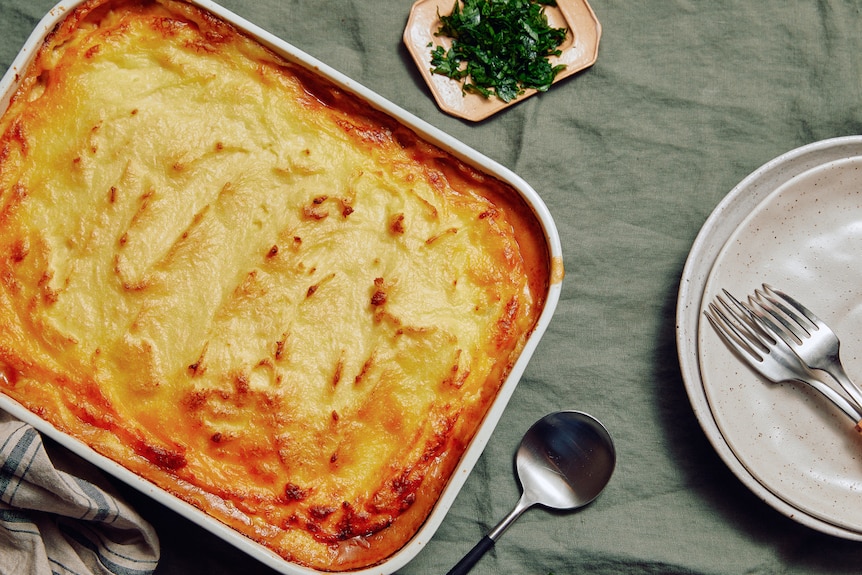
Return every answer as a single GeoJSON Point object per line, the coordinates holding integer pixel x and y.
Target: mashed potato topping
{"type": "Point", "coordinates": [244, 285]}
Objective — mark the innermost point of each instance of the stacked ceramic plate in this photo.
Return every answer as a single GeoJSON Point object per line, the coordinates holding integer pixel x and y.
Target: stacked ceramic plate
{"type": "Point", "coordinates": [796, 224]}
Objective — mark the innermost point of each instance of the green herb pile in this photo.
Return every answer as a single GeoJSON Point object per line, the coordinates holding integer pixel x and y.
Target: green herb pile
{"type": "Point", "coordinates": [499, 47]}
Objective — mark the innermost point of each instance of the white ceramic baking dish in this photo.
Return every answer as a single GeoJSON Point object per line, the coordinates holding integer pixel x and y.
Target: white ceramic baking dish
{"type": "Point", "coordinates": [8, 85]}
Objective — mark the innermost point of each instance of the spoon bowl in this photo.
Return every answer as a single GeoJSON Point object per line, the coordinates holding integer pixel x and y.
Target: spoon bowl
{"type": "Point", "coordinates": [564, 462]}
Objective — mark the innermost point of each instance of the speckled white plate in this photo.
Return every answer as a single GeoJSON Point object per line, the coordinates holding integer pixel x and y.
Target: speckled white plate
{"type": "Point", "coordinates": [796, 224]}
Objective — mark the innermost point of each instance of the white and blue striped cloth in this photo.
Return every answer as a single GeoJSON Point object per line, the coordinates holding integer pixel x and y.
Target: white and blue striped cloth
{"type": "Point", "coordinates": [59, 516]}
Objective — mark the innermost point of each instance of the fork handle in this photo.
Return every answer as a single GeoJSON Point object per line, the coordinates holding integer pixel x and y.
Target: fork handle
{"type": "Point", "coordinates": [854, 394]}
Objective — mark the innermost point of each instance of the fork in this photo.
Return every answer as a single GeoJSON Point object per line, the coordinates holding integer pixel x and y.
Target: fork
{"type": "Point", "coordinates": [813, 341]}
{"type": "Point", "coordinates": [749, 337]}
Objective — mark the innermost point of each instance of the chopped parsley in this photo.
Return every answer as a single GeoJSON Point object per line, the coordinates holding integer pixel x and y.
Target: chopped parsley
{"type": "Point", "coordinates": [499, 47]}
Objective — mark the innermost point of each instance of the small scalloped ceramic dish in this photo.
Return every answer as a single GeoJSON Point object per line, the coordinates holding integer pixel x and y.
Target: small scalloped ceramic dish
{"type": "Point", "coordinates": [580, 50]}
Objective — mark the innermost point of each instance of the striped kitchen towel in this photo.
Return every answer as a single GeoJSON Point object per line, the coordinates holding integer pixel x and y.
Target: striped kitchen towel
{"type": "Point", "coordinates": [59, 516]}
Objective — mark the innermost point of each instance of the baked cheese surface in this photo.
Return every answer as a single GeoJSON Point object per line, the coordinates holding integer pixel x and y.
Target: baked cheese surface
{"type": "Point", "coordinates": [247, 287]}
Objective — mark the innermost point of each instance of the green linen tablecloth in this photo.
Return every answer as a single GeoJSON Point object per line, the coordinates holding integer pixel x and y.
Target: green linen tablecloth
{"type": "Point", "coordinates": [631, 156]}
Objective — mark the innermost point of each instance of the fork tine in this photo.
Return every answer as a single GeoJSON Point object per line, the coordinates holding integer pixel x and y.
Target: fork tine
{"type": "Point", "coordinates": [745, 315]}
{"type": "Point", "coordinates": [781, 317]}
{"type": "Point", "coordinates": [773, 321]}
{"type": "Point", "coordinates": [792, 308]}
{"type": "Point", "coordinates": [771, 335]}
{"type": "Point", "coordinates": [768, 320]}
{"type": "Point", "coordinates": [738, 327]}
{"type": "Point", "coordinates": [726, 332]}
{"type": "Point", "coordinates": [729, 333]}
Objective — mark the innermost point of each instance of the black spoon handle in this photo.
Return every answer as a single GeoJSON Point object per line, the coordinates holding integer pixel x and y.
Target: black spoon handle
{"type": "Point", "coordinates": [466, 563]}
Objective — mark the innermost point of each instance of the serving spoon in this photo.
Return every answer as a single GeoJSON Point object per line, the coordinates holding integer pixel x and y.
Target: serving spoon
{"type": "Point", "coordinates": [564, 461]}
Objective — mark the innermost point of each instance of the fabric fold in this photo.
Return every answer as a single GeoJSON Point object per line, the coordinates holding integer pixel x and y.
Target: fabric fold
{"type": "Point", "coordinates": [59, 516]}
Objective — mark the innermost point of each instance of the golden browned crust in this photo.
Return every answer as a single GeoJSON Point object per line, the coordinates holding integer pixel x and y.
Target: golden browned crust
{"type": "Point", "coordinates": [240, 283]}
